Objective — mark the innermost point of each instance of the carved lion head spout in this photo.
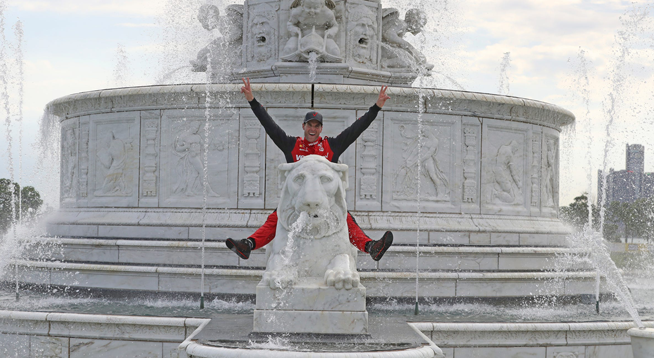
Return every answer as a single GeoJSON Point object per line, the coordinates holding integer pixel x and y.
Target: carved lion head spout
{"type": "Point", "coordinates": [316, 186]}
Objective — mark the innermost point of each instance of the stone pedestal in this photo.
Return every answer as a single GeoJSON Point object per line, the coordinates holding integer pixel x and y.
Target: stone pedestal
{"type": "Point", "coordinates": [642, 342]}
{"type": "Point", "coordinates": [311, 307]}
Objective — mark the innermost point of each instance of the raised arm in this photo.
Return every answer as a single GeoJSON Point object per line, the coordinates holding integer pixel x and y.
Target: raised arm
{"type": "Point", "coordinates": [351, 133]}
{"type": "Point", "coordinates": [276, 133]}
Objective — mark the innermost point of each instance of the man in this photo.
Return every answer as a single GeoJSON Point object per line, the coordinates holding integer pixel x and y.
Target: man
{"type": "Point", "coordinates": [295, 148]}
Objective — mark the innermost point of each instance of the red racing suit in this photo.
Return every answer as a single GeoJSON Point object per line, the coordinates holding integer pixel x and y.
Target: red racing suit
{"type": "Point", "coordinates": [295, 148]}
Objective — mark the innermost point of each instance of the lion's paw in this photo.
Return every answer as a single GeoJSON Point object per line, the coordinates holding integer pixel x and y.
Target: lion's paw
{"type": "Point", "coordinates": [277, 279]}
{"type": "Point", "coordinates": [342, 278]}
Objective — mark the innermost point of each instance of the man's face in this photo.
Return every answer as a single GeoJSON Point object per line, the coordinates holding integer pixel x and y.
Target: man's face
{"type": "Point", "coordinates": [312, 130]}
{"type": "Point", "coordinates": [313, 6]}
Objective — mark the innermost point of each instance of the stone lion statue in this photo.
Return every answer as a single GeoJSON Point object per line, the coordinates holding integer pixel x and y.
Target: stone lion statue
{"type": "Point", "coordinates": [311, 242]}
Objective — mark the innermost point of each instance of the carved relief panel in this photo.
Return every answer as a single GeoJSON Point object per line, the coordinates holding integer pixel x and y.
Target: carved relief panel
{"type": "Point", "coordinates": [150, 140]}
{"type": "Point", "coordinates": [535, 177]}
{"type": "Point", "coordinates": [471, 153]}
{"type": "Point", "coordinates": [252, 156]}
{"type": "Point", "coordinates": [363, 34]}
{"type": "Point", "coordinates": [69, 162]}
{"type": "Point", "coordinates": [83, 155]}
{"type": "Point", "coordinates": [114, 159]}
{"type": "Point", "coordinates": [369, 165]}
{"type": "Point", "coordinates": [421, 162]}
{"type": "Point", "coordinates": [506, 167]}
{"type": "Point", "coordinates": [261, 29]}
{"type": "Point", "coordinates": [550, 172]}
{"type": "Point", "coordinates": [192, 147]}
{"type": "Point", "coordinates": [290, 120]}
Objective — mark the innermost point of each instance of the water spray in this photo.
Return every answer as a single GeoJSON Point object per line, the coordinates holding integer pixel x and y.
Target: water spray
{"type": "Point", "coordinates": [205, 173]}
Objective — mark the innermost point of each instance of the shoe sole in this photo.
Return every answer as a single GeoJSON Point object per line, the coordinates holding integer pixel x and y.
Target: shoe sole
{"type": "Point", "coordinates": [383, 250]}
{"type": "Point", "coordinates": [231, 246]}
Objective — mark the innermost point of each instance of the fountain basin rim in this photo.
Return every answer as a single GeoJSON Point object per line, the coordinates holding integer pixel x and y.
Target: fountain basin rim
{"type": "Point", "coordinates": [647, 332]}
{"type": "Point", "coordinates": [200, 350]}
{"type": "Point", "coordinates": [257, 273]}
{"type": "Point", "coordinates": [221, 245]}
{"type": "Point", "coordinates": [436, 99]}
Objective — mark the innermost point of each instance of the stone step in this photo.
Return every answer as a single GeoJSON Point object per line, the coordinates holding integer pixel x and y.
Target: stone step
{"type": "Point", "coordinates": [243, 281]}
{"type": "Point", "coordinates": [398, 257]}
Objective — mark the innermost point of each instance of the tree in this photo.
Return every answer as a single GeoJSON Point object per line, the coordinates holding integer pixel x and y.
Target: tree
{"type": "Point", "coordinates": [30, 202]}
{"type": "Point", "coordinates": [576, 214]}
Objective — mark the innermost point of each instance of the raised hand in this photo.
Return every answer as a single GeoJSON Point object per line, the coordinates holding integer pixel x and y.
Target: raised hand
{"type": "Point", "coordinates": [247, 89]}
{"type": "Point", "coordinates": [383, 97]}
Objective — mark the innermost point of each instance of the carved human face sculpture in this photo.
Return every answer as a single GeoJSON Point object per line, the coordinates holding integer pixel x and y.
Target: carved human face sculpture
{"type": "Point", "coordinates": [362, 37]}
{"type": "Point", "coordinates": [415, 21]}
{"type": "Point", "coordinates": [209, 16]}
{"type": "Point", "coordinates": [262, 35]}
{"type": "Point", "coordinates": [312, 7]}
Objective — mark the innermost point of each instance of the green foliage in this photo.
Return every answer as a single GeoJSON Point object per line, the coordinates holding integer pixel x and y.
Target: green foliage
{"type": "Point", "coordinates": [30, 199]}
{"type": "Point", "coordinates": [620, 219]}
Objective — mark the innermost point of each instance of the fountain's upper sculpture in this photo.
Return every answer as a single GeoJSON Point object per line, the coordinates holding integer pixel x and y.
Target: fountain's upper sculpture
{"type": "Point", "coordinates": [347, 41]}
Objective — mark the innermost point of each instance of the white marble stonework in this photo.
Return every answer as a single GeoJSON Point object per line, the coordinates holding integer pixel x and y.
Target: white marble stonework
{"type": "Point", "coordinates": [642, 342]}
{"type": "Point", "coordinates": [506, 158]}
{"type": "Point", "coordinates": [69, 184]}
{"type": "Point", "coordinates": [114, 159]}
{"type": "Point", "coordinates": [435, 161]}
{"type": "Point", "coordinates": [184, 146]}
{"type": "Point", "coordinates": [311, 284]}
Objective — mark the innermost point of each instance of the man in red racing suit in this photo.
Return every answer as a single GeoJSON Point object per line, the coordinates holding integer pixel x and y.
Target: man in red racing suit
{"type": "Point", "coordinates": [295, 148]}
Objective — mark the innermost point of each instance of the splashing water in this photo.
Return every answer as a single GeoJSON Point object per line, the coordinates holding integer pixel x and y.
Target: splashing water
{"type": "Point", "coordinates": [273, 343]}
{"type": "Point", "coordinates": [505, 65]}
{"type": "Point", "coordinates": [121, 71]}
{"type": "Point", "coordinates": [593, 252]}
{"type": "Point", "coordinates": [313, 66]}
{"type": "Point", "coordinates": [18, 32]}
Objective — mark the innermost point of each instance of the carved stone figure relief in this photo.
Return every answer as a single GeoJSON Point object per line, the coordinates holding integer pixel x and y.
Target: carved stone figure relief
{"type": "Point", "coordinates": [397, 53]}
{"type": "Point", "coordinates": [112, 159]}
{"type": "Point", "coordinates": [262, 43]}
{"type": "Point", "coordinates": [368, 187]}
{"type": "Point", "coordinates": [83, 158]}
{"type": "Point", "coordinates": [189, 147]}
{"type": "Point", "coordinates": [252, 165]}
{"type": "Point", "coordinates": [69, 162]}
{"type": "Point", "coordinates": [149, 179]}
{"type": "Point", "coordinates": [224, 53]}
{"type": "Point", "coordinates": [507, 173]}
{"type": "Point", "coordinates": [535, 161]}
{"type": "Point", "coordinates": [418, 161]}
{"type": "Point", "coordinates": [550, 174]}
{"type": "Point", "coordinates": [362, 36]}
{"type": "Point", "coordinates": [192, 147]}
{"type": "Point", "coordinates": [313, 27]}
{"type": "Point", "coordinates": [470, 165]}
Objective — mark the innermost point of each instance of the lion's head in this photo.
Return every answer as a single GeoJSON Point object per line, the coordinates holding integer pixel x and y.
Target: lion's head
{"type": "Point", "coordinates": [316, 186]}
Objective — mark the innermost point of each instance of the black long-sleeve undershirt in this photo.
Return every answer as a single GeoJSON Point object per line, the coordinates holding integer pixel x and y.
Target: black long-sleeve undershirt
{"type": "Point", "coordinates": [338, 144]}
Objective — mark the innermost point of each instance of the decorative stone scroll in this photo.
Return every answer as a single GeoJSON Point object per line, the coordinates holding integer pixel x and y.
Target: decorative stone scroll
{"type": "Point", "coordinates": [368, 188]}
{"type": "Point", "coordinates": [535, 166]}
{"type": "Point", "coordinates": [550, 173]}
{"type": "Point", "coordinates": [150, 128]}
{"type": "Point", "coordinates": [252, 165]}
{"type": "Point", "coordinates": [470, 165]}
{"type": "Point", "coordinates": [69, 170]}
{"type": "Point", "coordinates": [83, 157]}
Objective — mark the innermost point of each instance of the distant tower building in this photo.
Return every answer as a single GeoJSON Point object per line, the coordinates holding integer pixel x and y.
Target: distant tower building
{"type": "Point", "coordinates": [631, 184]}
{"type": "Point", "coordinates": [635, 158]}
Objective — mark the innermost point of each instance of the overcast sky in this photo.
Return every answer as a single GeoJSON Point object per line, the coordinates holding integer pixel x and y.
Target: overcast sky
{"type": "Point", "coordinates": [547, 49]}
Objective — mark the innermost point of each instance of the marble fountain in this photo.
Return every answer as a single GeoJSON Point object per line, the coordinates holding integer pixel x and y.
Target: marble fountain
{"type": "Point", "coordinates": [468, 180]}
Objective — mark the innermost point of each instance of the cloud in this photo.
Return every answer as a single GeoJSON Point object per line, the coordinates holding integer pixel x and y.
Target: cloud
{"type": "Point", "coordinates": [129, 24]}
{"type": "Point", "coordinates": [134, 7]}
